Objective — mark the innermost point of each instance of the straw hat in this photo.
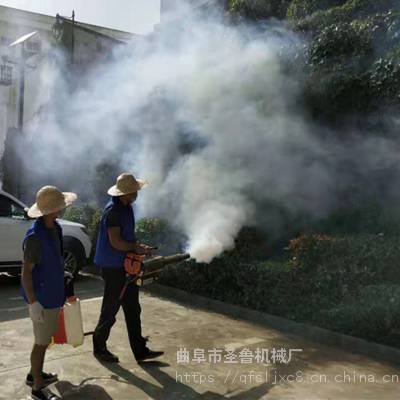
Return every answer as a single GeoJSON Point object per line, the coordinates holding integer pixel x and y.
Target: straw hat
{"type": "Point", "coordinates": [126, 184]}
{"type": "Point", "coordinates": [50, 199]}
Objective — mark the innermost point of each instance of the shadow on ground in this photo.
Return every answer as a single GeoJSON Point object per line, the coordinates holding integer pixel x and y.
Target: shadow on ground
{"type": "Point", "coordinates": [173, 389]}
{"type": "Point", "coordinates": [82, 391]}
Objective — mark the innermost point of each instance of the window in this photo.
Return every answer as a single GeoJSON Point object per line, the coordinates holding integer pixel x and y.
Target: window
{"type": "Point", "coordinates": [5, 75]}
{"type": "Point", "coordinates": [9, 208]}
{"type": "Point", "coordinates": [17, 211]}
{"type": "Point", "coordinates": [33, 46]}
{"type": "Point", "coordinates": [5, 207]}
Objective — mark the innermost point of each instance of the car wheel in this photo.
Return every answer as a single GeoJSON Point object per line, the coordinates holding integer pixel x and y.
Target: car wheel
{"type": "Point", "coordinates": [74, 255]}
{"type": "Point", "coordinates": [71, 262]}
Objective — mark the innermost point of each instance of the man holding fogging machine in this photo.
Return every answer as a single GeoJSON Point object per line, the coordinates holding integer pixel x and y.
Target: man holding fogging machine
{"type": "Point", "coordinates": [116, 239]}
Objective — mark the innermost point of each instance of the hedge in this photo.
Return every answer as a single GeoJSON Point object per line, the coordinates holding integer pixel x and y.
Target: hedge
{"type": "Point", "coordinates": [333, 282]}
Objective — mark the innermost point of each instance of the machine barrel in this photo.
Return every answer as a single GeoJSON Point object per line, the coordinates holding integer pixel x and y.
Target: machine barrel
{"type": "Point", "coordinates": [158, 263]}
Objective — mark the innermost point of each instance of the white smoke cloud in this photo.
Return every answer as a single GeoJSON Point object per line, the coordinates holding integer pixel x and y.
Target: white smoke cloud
{"type": "Point", "coordinates": [207, 113]}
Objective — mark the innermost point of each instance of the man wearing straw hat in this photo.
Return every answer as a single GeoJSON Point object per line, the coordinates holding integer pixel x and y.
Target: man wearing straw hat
{"type": "Point", "coordinates": [43, 281]}
{"type": "Point", "coordinates": [116, 239]}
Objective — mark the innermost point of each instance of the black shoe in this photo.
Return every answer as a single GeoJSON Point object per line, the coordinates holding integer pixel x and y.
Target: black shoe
{"type": "Point", "coordinates": [47, 379]}
{"type": "Point", "coordinates": [44, 394]}
{"type": "Point", "coordinates": [105, 355]}
{"type": "Point", "coordinates": [148, 354]}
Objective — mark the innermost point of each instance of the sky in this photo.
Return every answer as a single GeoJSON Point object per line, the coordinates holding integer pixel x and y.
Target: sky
{"type": "Point", "coordinates": [137, 16]}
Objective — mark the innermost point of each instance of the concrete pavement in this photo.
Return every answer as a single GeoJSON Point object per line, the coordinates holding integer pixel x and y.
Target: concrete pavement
{"type": "Point", "coordinates": [315, 372]}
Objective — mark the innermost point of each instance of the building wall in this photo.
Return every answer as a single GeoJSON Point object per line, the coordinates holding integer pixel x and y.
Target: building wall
{"type": "Point", "coordinates": [86, 48]}
{"type": "Point", "coordinates": [91, 45]}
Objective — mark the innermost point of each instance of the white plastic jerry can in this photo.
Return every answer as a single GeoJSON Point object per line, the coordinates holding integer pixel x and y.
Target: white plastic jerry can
{"type": "Point", "coordinates": [73, 322]}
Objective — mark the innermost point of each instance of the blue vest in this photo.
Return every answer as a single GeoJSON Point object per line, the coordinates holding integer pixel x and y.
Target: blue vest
{"type": "Point", "coordinates": [107, 256]}
{"type": "Point", "coordinates": [48, 275]}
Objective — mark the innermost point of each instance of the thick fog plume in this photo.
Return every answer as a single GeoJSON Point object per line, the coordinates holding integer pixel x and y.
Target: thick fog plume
{"type": "Point", "coordinates": [208, 115]}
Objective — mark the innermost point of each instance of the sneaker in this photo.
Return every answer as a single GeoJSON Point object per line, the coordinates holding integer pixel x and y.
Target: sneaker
{"type": "Point", "coordinates": [105, 355]}
{"type": "Point", "coordinates": [148, 354]}
{"type": "Point", "coordinates": [47, 379]}
{"type": "Point", "coordinates": [44, 394]}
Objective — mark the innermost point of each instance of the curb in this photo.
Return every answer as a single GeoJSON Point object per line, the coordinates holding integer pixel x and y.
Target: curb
{"type": "Point", "coordinates": [312, 333]}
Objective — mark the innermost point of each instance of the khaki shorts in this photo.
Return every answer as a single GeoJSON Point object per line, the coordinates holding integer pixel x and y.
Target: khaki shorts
{"type": "Point", "coordinates": [43, 331]}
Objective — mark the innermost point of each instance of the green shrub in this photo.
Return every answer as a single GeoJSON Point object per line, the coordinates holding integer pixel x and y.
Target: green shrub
{"type": "Point", "coordinates": [300, 9]}
{"type": "Point", "coordinates": [262, 286]}
{"type": "Point", "coordinates": [307, 250]}
{"type": "Point", "coordinates": [87, 214]}
{"type": "Point", "coordinates": [94, 225]}
{"type": "Point", "coordinates": [352, 9]}
{"type": "Point", "coordinates": [327, 281]}
{"type": "Point", "coordinates": [259, 9]}
{"type": "Point", "coordinates": [81, 213]}
{"type": "Point", "coordinates": [157, 232]}
{"type": "Point", "coordinates": [250, 244]}
{"type": "Point", "coordinates": [228, 276]}
{"type": "Point", "coordinates": [273, 287]}
{"type": "Point", "coordinates": [374, 315]}
{"type": "Point", "coordinates": [341, 42]}
{"type": "Point", "coordinates": [352, 72]}
{"type": "Point", "coordinates": [333, 95]}
{"type": "Point", "coordinates": [385, 77]}
{"type": "Point", "coordinates": [366, 257]}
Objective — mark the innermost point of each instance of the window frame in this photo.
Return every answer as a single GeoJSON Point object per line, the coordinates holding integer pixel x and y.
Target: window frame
{"type": "Point", "coordinates": [14, 205]}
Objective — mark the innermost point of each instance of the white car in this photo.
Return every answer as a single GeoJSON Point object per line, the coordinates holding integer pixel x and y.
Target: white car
{"type": "Point", "coordinates": [14, 222]}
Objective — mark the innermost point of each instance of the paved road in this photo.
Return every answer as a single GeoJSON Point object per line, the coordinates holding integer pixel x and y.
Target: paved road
{"type": "Point", "coordinates": [316, 372]}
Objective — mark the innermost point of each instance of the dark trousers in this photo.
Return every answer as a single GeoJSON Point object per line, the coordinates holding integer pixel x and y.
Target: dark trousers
{"type": "Point", "coordinates": [114, 281]}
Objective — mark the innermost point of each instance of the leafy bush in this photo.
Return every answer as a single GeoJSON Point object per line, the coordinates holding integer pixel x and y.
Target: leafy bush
{"type": "Point", "coordinates": [273, 287]}
{"type": "Point", "coordinates": [94, 226]}
{"type": "Point", "coordinates": [344, 77]}
{"type": "Point", "coordinates": [385, 77]}
{"type": "Point", "coordinates": [326, 281]}
{"type": "Point", "coordinates": [341, 41]}
{"type": "Point", "coordinates": [259, 9]}
{"type": "Point", "coordinates": [347, 12]}
{"type": "Point", "coordinates": [157, 232]}
{"type": "Point", "coordinates": [81, 213]}
{"type": "Point", "coordinates": [262, 286]}
{"type": "Point", "coordinates": [332, 95]}
{"type": "Point", "coordinates": [86, 214]}
{"type": "Point", "coordinates": [300, 9]}
{"type": "Point", "coordinates": [360, 37]}
{"type": "Point", "coordinates": [251, 244]}
{"type": "Point", "coordinates": [89, 215]}
{"type": "Point", "coordinates": [375, 256]}
{"type": "Point", "coordinates": [374, 315]}
{"type": "Point", "coordinates": [307, 250]}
